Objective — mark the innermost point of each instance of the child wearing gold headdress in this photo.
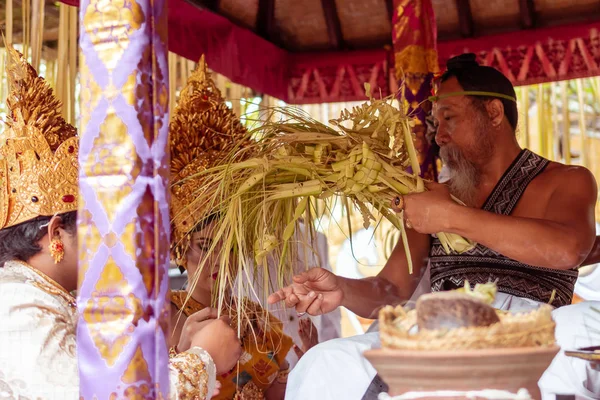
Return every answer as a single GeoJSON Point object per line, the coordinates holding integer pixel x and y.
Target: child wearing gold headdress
{"type": "Point", "coordinates": [202, 132]}
{"type": "Point", "coordinates": [38, 255]}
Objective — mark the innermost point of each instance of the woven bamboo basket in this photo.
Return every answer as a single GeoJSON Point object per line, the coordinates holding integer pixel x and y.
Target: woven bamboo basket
{"type": "Point", "coordinates": [531, 329]}
{"type": "Point", "coordinates": [508, 355]}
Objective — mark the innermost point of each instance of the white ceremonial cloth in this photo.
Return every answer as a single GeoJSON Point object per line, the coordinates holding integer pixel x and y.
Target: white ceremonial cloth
{"type": "Point", "coordinates": [38, 356]}
{"type": "Point", "coordinates": [577, 326]}
{"type": "Point", "coordinates": [38, 352]}
{"type": "Point", "coordinates": [489, 394]}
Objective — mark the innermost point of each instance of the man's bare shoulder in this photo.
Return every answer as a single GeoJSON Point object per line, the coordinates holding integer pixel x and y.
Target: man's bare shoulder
{"type": "Point", "coordinates": [570, 178]}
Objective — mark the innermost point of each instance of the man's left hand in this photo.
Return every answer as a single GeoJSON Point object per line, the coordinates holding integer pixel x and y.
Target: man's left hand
{"type": "Point", "coordinates": [428, 212]}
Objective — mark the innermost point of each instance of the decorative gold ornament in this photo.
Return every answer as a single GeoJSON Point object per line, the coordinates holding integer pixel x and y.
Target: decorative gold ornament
{"type": "Point", "coordinates": [202, 131]}
{"type": "Point", "coordinates": [38, 149]}
{"type": "Point", "coordinates": [57, 250]}
{"type": "Point", "coordinates": [249, 392]}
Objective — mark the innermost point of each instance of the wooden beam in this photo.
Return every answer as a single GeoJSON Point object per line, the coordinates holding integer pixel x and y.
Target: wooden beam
{"type": "Point", "coordinates": [527, 12]}
{"type": "Point", "coordinates": [211, 5]}
{"type": "Point", "coordinates": [334, 27]}
{"type": "Point", "coordinates": [389, 5]}
{"type": "Point", "coordinates": [265, 20]}
{"type": "Point", "coordinates": [465, 18]}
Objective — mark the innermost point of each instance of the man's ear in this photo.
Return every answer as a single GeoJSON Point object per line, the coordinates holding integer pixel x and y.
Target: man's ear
{"type": "Point", "coordinates": [495, 110]}
{"type": "Point", "coordinates": [53, 227]}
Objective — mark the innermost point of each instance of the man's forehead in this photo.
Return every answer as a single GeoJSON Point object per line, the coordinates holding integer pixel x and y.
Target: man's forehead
{"type": "Point", "coordinates": [451, 102]}
{"type": "Point", "coordinates": [438, 108]}
{"type": "Point", "coordinates": [448, 103]}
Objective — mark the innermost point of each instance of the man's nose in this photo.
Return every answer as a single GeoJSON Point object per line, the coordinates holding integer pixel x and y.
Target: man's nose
{"type": "Point", "coordinates": [441, 136]}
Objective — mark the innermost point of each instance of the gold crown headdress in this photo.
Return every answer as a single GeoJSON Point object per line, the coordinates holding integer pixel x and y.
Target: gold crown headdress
{"type": "Point", "coordinates": [38, 149]}
{"type": "Point", "coordinates": [203, 130]}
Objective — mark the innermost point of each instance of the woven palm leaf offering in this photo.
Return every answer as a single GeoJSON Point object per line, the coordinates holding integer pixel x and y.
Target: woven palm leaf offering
{"type": "Point", "coordinates": [457, 341]}
{"type": "Point", "coordinates": [364, 160]}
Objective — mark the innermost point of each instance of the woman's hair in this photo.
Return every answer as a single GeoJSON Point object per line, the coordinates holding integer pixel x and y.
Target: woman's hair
{"type": "Point", "coordinates": [20, 242]}
{"type": "Point", "coordinates": [206, 221]}
{"type": "Point", "coordinates": [475, 77]}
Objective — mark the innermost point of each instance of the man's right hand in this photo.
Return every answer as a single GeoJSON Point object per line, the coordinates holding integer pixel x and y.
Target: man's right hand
{"type": "Point", "coordinates": [220, 340]}
{"type": "Point", "coordinates": [316, 291]}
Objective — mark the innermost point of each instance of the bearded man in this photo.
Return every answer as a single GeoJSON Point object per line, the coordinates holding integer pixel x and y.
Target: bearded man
{"type": "Point", "coordinates": [532, 232]}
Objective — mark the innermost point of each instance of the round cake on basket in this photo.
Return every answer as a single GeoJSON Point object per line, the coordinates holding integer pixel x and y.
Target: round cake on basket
{"type": "Point", "coordinates": [455, 342]}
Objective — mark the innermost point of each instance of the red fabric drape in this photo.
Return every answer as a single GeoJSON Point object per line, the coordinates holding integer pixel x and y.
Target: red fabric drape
{"type": "Point", "coordinates": [414, 35]}
{"type": "Point", "coordinates": [235, 52]}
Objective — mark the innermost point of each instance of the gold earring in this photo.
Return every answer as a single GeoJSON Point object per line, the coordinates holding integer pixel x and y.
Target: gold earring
{"type": "Point", "coordinates": [57, 250]}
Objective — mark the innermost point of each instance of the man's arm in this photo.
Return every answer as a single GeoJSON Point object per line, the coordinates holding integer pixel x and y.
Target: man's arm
{"type": "Point", "coordinates": [393, 285]}
{"type": "Point", "coordinates": [318, 291]}
{"type": "Point", "coordinates": [594, 256]}
{"type": "Point", "coordinates": [561, 240]}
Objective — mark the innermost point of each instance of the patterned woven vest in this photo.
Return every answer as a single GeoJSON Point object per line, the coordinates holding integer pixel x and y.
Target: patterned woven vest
{"type": "Point", "coordinates": [482, 265]}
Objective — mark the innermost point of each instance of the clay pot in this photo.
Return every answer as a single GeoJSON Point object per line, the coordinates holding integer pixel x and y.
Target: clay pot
{"type": "Point", "coordinates": [504, 369]}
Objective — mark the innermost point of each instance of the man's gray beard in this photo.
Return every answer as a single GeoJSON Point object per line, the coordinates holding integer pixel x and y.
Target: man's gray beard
{"type": "Point", "coordinates": [464, 175]}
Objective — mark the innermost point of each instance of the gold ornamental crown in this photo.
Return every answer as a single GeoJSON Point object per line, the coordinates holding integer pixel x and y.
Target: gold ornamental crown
{"type": "Point", "coordinates": [38, 149]}
{"type": "Point", "coordinates": [203, 130]}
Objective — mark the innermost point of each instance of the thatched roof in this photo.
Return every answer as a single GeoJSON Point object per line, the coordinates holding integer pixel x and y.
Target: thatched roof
{"type": "Point", "coordinates": [310, 25]}
{"type": "Point", "coordinates": [313, 25]}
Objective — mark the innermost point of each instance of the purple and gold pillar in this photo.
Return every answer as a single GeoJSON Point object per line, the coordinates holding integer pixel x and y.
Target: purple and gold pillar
{"type": "Point", "coordinates": [414, 35]}
{"type": "Point", "coordinates": [123, 211]}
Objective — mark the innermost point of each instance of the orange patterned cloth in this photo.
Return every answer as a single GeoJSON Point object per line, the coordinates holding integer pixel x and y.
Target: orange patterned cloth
{"type": "Point", "coordinates": [414, 37]}
{"type": "Point", "coordinates": [264, 344]}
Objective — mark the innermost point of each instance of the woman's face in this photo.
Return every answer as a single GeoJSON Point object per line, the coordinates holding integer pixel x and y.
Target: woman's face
{"type": "Point", "coordinates": [200, 244]}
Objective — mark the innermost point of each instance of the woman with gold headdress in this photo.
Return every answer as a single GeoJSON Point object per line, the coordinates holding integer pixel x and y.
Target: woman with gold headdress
{"type": "Point", "coordinates": [203, 132]}
{"type": "Point", "coordinates": [38, 258]}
